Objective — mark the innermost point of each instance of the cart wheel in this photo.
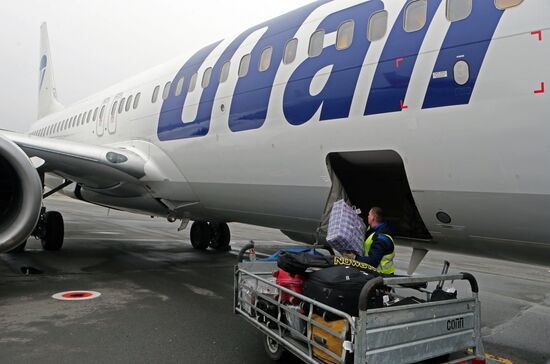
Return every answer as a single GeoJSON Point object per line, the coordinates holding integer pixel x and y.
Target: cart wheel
{"type": "Point", "coordinates": [274, 350]}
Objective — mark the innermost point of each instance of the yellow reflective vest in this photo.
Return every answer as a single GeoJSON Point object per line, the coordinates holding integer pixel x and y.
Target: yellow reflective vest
{"type": "Point", "coordinates": [386, 264]}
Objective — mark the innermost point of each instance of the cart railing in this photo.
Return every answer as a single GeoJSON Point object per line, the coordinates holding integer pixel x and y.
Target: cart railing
{"type": "Point", "coordinates": [394, 334]}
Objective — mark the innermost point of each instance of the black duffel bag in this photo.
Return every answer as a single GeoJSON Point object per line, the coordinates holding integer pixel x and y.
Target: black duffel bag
{"type": "Point", "coordinates": [298, 263]}
{"type": "Point", "coordinates": [339, 287]}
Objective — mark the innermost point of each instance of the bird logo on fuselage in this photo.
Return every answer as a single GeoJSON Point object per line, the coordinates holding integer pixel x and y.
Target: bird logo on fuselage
{"type": "Point", "coordinates": [43, 66]}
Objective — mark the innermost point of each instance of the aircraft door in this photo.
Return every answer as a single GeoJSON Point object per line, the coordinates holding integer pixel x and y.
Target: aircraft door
{"type": "Point", "coordinates": [101, 120]}
{"type": "Point", "coordinates": [113, 113]}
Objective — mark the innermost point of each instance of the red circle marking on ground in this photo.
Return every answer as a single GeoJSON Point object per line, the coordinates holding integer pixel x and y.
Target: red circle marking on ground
{"type": "Point", "coordinates": [77, 295]}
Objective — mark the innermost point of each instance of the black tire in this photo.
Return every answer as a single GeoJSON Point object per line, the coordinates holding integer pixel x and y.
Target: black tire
{"type": "Point", "coordinates": [20, 249]}
{"type": "Point", "coordinates": [221, 237]}
{"type": "Point", "coordinates": [55, 231]}
{"type": "Point", "coordinates": [200, 235]}
{"type": "Point", "coordinates": [273, 349]}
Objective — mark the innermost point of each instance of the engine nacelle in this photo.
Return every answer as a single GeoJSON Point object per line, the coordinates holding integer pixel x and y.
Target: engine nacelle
{"type": "Point", "coordinates": [20, 196]}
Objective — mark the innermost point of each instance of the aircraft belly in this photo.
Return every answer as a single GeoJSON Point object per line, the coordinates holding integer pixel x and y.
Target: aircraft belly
{"type": "Point", "coordinates": [297, 208]}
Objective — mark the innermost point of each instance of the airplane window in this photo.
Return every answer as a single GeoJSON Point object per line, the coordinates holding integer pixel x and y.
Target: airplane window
{"type": "Point", "coordinates": [89, 117]}
{"type": "Point", "coordinates": [102, 113]}
{"type": "Point", "coordinates": [505, 4]}
{"type": "Point", "coordinates": [244, 66]}
{"type": "Point", "coordinates": [344, 37]}
{"type": "Point", "coordinates": [129, 103]}
{"type": "Point", "coordinates": [462, 72]}
{"type": "Point", "coordinates": [265, 59]}
{"type": "Point", "coordinates": [206, 77]}
{"type": "Point", "coordinates": [84, 118]}
{"type": "Point", "coordinates": [179, 86]}
{"type": "Point", "coordinates": [416, 15]}
{"type": "Point", "coordinates": [113, 110]}
{"type": "Point", "coordinates": [95, 113]}
{"type": "Point", "coordinates": [78, 121]}
{"type": "Point", "coordinates": [291, 49]}
{"type": "Point", "coordinates": [166, 91]}
{"type": "Point", "coordinates": [136, 100]}
{"type": "Point", "coordinates": [155, 94]}
{"type": "Point", "coordinates": [192, 83]}
{"type": "Point", "coordinates": [316, 43]}
{"type": "Point", "coordinates": [378, 26]}
{"type": "Point", "coordinates": [458, 9]}
{"type": "Point", "coordinates": [224, 75]}
{"type": "Point", "coordinates": [121, 105]}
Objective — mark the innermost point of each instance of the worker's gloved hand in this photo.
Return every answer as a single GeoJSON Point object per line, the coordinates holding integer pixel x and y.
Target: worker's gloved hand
{"type": "Point", "coordinates": [349, 256]}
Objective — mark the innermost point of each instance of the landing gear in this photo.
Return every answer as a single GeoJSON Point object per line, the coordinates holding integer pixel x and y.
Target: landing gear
{"type": "Point", "coordinates": [51, 230]}
{"type": "Point", "coordinates": [221, 236]}
{"type": "Point", "coordinates": [214, 235]}
{"type": "Point", "coordinates": [200, 235]}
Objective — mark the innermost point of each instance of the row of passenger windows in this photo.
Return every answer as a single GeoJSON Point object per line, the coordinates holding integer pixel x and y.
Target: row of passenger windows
{"type": "Point", "coordinates": [414, 20]}
{"type": "Point", "coordinates": [417, 11]}
{"type": "Point", "coordinates": [92, 115]}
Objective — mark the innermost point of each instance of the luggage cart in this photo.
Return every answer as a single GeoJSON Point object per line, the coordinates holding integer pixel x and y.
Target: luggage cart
{"type": "Point", "coordinates": [396, 334]}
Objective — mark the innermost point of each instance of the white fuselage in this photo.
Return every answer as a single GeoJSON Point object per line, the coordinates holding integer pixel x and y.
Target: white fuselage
{"type": "Point", "coordinates": [485, 163]}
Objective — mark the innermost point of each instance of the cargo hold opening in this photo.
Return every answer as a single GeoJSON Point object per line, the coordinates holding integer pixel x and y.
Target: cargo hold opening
{"type": "Point", "coordinates": [375, 178]}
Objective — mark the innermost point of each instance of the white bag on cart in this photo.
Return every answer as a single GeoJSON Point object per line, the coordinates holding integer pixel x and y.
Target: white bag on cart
{"type": "Point", "coordinates": [251, 287]}
{"type": "Point", "coordinates": [346, 229]}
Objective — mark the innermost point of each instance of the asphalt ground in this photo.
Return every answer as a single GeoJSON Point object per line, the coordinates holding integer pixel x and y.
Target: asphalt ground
{"type": "Point", "coordinates": [164, 302]}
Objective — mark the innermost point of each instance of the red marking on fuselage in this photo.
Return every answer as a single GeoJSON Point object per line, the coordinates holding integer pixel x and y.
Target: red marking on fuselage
{"type": "Point", "coordinates": [403, 106]}
{"type": "Point", "coordinates": [398, 61]}
{"type": "Point", "coordinates": [539, 33]}
{"type": "Point", "coordinates": [541, 90]}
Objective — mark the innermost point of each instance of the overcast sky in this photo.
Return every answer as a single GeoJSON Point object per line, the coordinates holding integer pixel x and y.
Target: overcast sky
{"type": "Point", "coordinates": [96, 43]}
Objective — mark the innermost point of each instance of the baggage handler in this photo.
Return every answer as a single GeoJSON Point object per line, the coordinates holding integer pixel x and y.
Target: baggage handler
{"type": "Point", "coordinates": [379, 245]}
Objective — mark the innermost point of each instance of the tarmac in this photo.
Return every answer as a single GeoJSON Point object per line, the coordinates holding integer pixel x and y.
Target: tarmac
{"type": "Point", "coordinates": [164, 302]}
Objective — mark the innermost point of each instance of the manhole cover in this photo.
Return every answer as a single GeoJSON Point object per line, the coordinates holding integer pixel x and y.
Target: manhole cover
{"type": "Point", "coordinates": [76, 295]}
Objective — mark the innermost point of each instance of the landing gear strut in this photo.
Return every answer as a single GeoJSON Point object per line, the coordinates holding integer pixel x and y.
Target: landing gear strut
{"type": "Point", "coordinates": [214, 235]}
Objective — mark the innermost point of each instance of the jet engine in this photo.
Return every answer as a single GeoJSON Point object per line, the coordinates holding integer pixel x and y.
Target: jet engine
{"type": "Point", "coordinates": [20, 196]}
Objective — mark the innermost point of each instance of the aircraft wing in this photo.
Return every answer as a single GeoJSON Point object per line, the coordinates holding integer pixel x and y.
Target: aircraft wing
{"type": "Point", "coordinates": [96, 167]}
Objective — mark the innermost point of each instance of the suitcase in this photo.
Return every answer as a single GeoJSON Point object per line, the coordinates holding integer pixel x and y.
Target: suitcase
{"type": "Point", "coordinates": [326, 340]}
{"type": "Point", "coordinates": [339, 287]}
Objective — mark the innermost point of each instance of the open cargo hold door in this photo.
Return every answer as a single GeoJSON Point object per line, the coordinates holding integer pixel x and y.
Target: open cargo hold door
{"type": "Point", "coordinates": [374, 178]}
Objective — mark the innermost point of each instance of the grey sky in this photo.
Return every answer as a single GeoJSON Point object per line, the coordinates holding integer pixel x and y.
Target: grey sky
{"type": "Point", "coordinates": [96, 43]}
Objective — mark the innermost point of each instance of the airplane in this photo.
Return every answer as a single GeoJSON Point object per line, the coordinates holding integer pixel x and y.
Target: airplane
{"type": "Point", "coordinates": [434, 110]}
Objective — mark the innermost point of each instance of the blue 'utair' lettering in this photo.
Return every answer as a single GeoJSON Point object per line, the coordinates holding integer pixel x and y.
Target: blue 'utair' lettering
{"type": "Point", "coordinates": [252, 93]}
{"type": "Point", "coordinates": [299, 105]}
{"type": "Point", "coordinates": [466, 40]}
{"type": "Point", "coordinates": [170, 124]}
{"type": "Point", "coordinates": [393, 74]}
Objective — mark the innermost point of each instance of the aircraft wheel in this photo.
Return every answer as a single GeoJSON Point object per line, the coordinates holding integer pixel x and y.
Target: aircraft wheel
{"type": "Point", "coordinates": [55, 231]}
{"type": "Point", "coordinates": [200, 235]}
{"type": "Point", "coordinates": [20, 248]}
{"type": "Point", "coordinates": [221, 236]}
